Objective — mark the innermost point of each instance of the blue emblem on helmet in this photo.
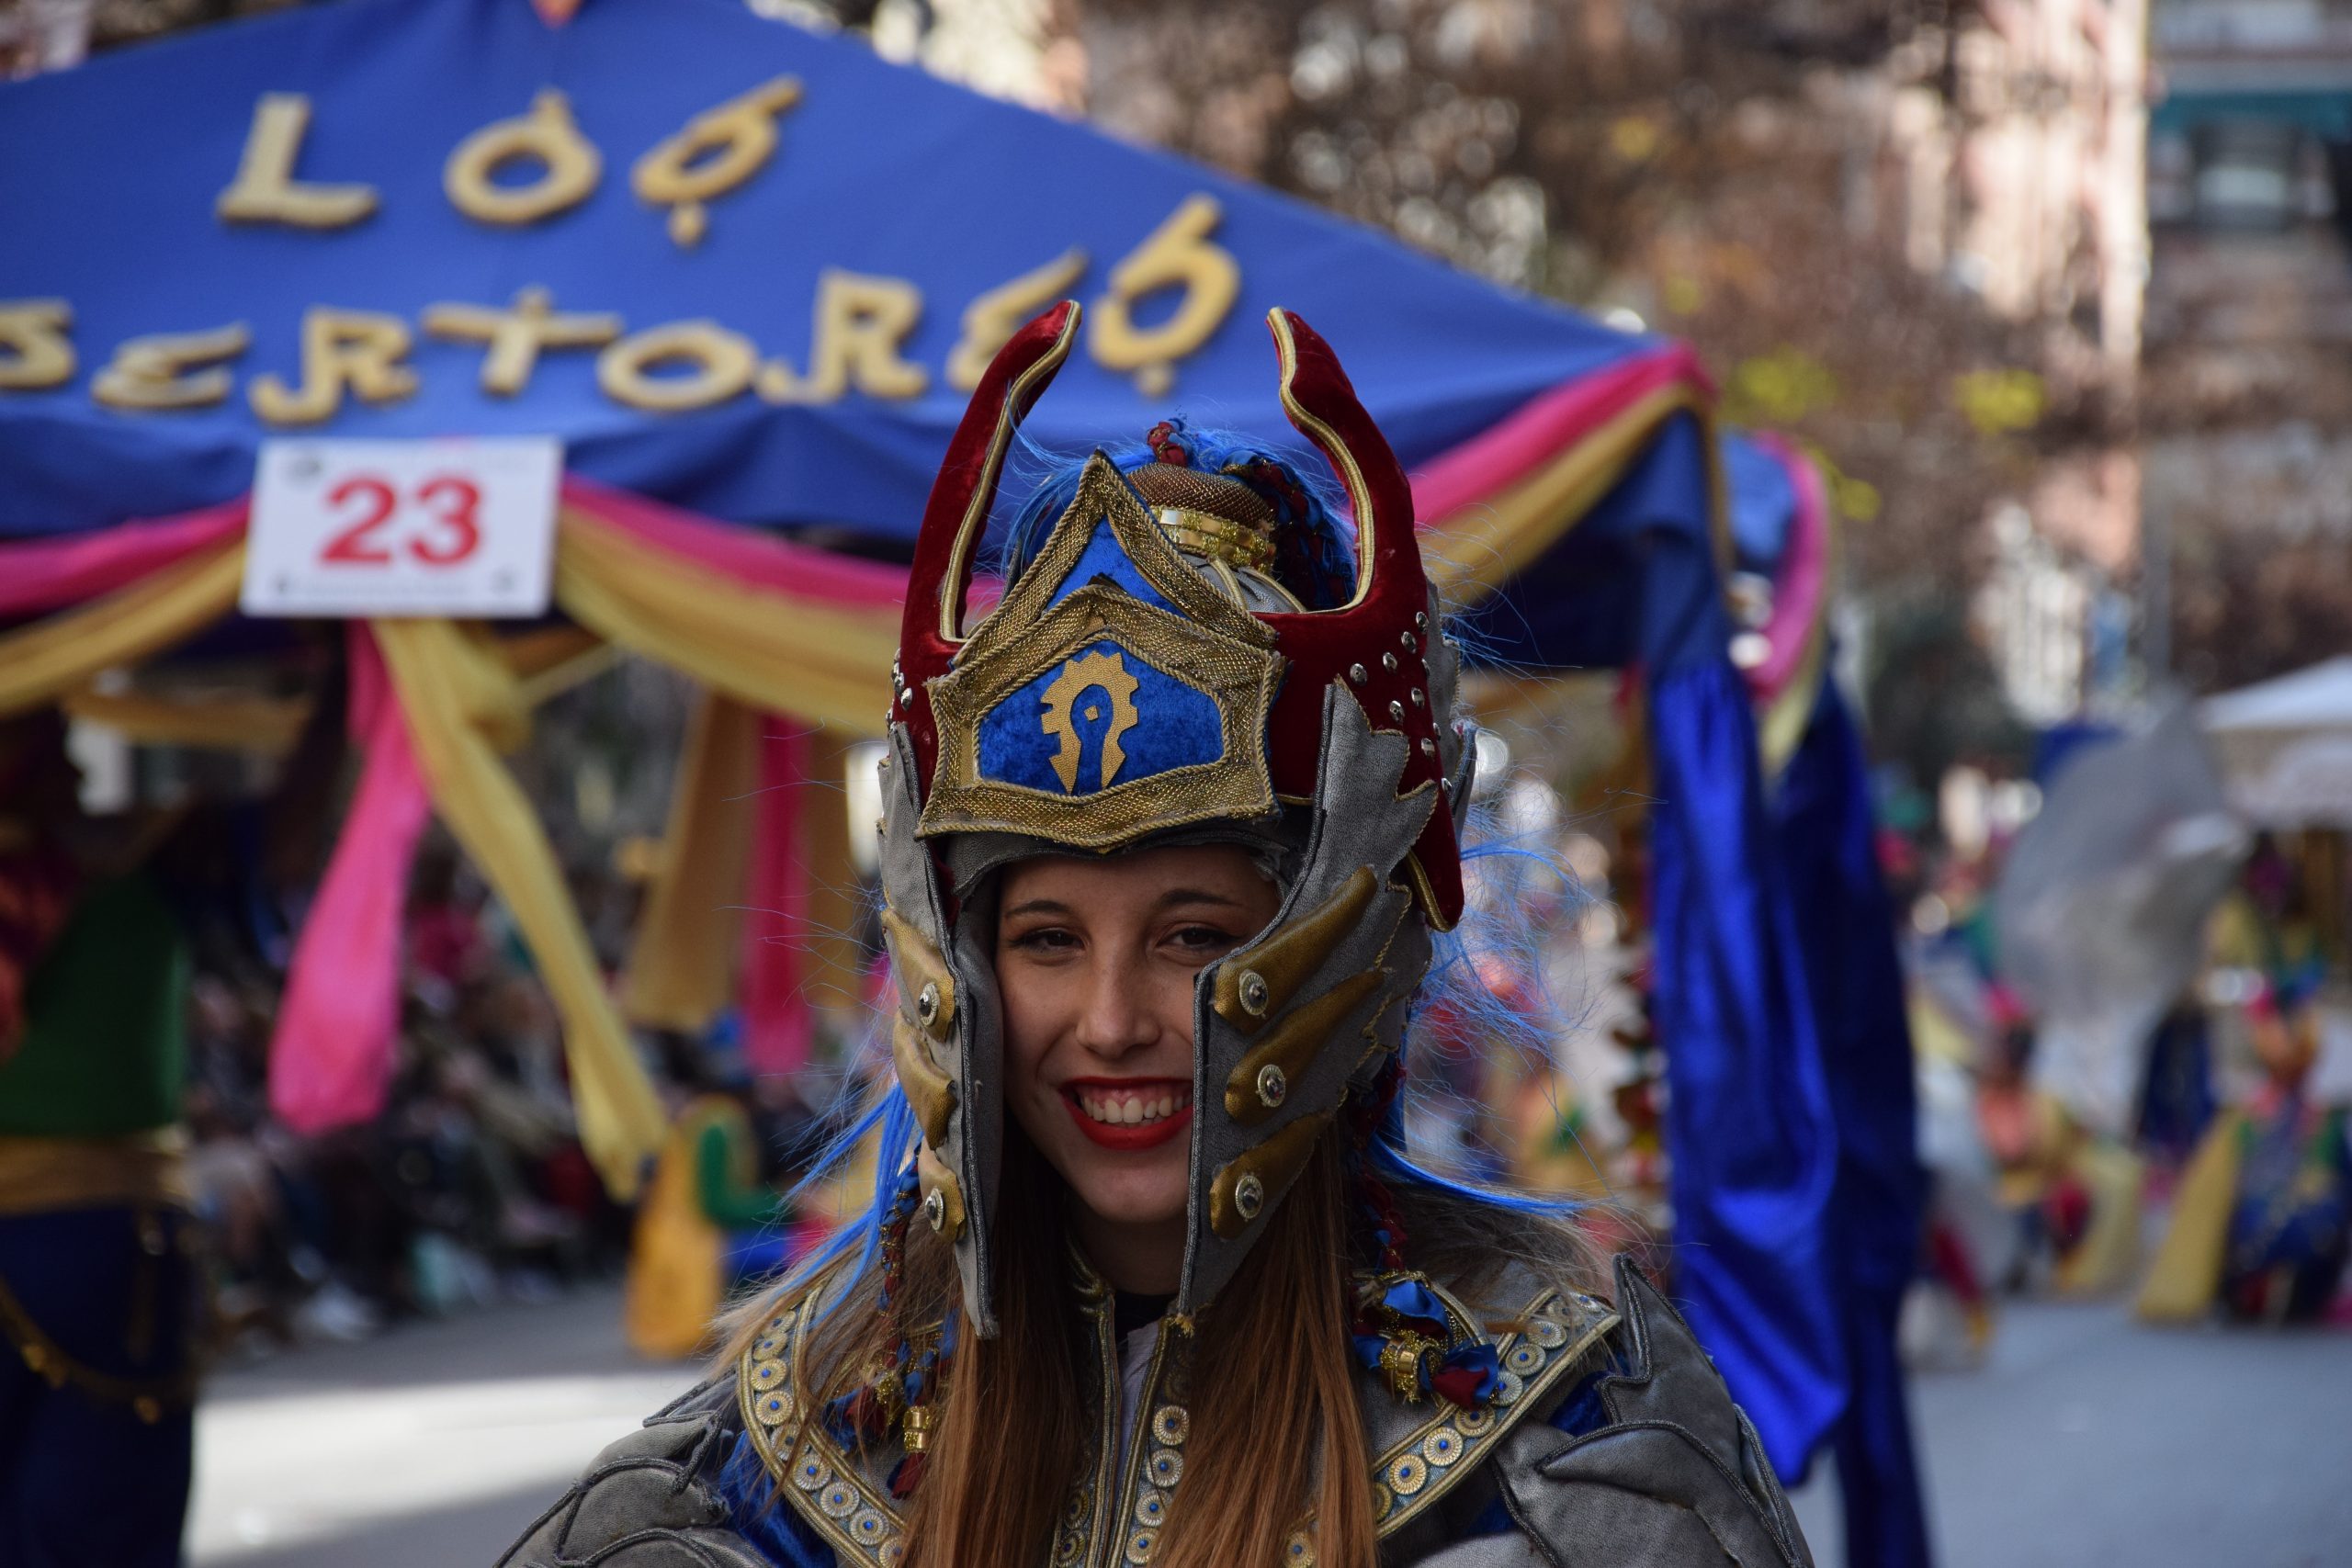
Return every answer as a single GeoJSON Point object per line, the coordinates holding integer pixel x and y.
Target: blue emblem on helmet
{"type": "Point", "coordinates": [1103, 716]}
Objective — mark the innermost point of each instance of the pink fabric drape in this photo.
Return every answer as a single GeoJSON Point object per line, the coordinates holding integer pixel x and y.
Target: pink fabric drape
{"type": "Point", "coordinates": [40, 575]}
{"type": "Point", "coordinates": [759, 560]}
{"type": "Point", "coordinates": [1804, 578]}
{"type": "Point", "coordinates": [331, 1060]}
{"type": "Point", "coordinates": [1495, 459]}
{"type": "Point", "coordinates": [777, 1025]}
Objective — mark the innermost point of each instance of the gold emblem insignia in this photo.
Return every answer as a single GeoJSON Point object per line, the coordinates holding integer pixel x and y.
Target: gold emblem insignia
{"type": "Point", "coordinates": [1107, 673]}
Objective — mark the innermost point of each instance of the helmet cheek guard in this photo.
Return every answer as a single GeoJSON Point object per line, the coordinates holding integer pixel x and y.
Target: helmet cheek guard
{"type": "Point", "coordinates": [1114, 694]}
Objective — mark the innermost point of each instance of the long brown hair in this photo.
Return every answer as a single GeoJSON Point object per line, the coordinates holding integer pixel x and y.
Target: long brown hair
{"type": "Point", "coordinates": [1275, 1433]}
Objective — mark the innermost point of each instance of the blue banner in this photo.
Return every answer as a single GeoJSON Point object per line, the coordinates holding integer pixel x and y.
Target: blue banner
{"type": "Point", "coordinates": [412, 177]}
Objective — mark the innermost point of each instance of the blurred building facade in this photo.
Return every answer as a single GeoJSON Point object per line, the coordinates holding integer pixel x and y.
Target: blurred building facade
{"type": "Point", "coordinates": [2017, 137]}
{"type": "Point", "coordinates": [2248, 416]}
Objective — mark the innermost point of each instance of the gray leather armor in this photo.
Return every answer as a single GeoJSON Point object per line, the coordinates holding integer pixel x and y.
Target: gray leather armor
{"type": "Point", "coordinates": [1671, 1477]}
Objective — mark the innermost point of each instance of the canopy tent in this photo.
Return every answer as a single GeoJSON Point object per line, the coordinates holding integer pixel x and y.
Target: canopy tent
{"type": "Point", "coordinates": [800, 253]}
{"type": "Point", "coordinates": [2285, 746]}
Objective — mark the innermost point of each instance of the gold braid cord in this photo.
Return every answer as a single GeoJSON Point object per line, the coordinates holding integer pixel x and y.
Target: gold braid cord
{"type": "Point", "coordinates": [149, 1398]}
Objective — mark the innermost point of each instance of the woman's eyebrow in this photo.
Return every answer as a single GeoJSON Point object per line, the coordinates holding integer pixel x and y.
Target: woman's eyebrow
{"type": "Point", "coordinates": [1036, 907]}
{"type": "Point", "coordinates": [1177, 895]}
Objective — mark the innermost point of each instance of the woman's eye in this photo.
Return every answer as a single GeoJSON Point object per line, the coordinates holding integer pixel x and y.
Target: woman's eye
{"type": "Point", "coordinates": [1204, 938]}
{"type": "Point", "coordinates": [1046, 939]}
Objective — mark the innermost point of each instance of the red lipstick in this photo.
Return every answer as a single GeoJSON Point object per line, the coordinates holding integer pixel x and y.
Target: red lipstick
{"type": "Point", "coordinates": [1128, 1136]}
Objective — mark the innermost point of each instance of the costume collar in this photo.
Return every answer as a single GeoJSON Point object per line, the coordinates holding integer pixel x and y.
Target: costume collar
{"type": "Point", "coordinates": [1116, 1514]}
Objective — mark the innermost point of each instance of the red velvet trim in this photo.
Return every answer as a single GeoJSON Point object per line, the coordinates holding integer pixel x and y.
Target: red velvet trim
{"type": "Point", "coordinates": [923, 654]}
{"type": "Point", "coordinates": [1323, 645]}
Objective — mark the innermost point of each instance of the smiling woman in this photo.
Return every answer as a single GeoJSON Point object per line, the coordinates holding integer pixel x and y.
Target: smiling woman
{"type": "Point", "coordinates": [1098, 961]}
{"type": "Point", "coordinates": [1168, 837]}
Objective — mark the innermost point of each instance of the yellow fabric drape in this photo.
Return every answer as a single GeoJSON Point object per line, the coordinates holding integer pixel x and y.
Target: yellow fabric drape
{"type": "Point", "coordinates": [40, 662]}
{"type": "Point", "coordinates": [682, 967]}
{"type": "Point", "coordinates": [267, 725]}
{"type": "Point", "coordinates": [461, 702]}
{"type": "Point", "coordinates": [1780, 727]}
{"type": "Point", "coordinates": [834, 971]}
{"type": "Point", "coordinates": [1471, 558]}
{"type": "Point", "coordinates": [677, 1261]}
{"type": "Point", "coordinates": [767, 650]}
{"type": "Point", "coordinates": [2188, 1273]}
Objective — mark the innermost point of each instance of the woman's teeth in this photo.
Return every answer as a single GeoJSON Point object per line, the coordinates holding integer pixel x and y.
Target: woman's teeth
{"type": "Point", "coordinates": [1121, 1110]}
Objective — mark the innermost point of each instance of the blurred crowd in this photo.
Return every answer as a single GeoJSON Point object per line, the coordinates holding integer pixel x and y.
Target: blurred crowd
{"type": "Point", "coordinates": [470, 1188]}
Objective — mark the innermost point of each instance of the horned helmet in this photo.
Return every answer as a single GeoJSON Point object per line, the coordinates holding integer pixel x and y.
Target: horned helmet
{"type": "Point", "coordinates": [1153, 675]}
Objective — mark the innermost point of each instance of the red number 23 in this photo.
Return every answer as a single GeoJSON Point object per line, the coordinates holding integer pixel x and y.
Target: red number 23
{"type": "Point", "coordinates": [452, 501]}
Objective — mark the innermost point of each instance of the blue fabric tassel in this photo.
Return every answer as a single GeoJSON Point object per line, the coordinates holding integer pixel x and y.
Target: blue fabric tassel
{"type": "Point", "coordinates": [1748, 1121]}
{"type": "Point", "coordinates": [1847, 928]}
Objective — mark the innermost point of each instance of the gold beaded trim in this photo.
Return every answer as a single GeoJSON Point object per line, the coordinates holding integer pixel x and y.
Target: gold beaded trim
{"type": "Point", "coordinates": [825, 1485]}
{"type": "Point", "coordinates": [1557, 1329]}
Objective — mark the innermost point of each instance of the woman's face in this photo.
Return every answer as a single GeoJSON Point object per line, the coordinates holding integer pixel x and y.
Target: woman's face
{"type": "Point", "coordinates": [1096, 959]}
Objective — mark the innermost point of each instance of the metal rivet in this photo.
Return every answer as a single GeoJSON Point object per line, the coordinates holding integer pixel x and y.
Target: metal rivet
{"type": "Point", "coordinates": [1407, 640]}
{"type": "Point", "coordinates": [1419, 701]}
{"type": "Point", "coordinates": [1359, 674]}
{"type": "Point", "coordinates": [934, 1209]}
{"type": "Point", "coordinates": [1254, 993]}
{"type": "Point", "coordinates": [927, 1004]}
{"type": "Point", "coordinates": [906, 696]}
{"type": "Point", "coordinates": [1248, 1196]}
{"type": "Point", "coordinates": [1389, 662]}
{"type": "Point", "coordinates": [1396, 712]}
{"type": "Point", "coordinates": [1271, 1086]}
{"type": "Point", "coordinates": [1446, 784]}
{"type": "Point", "coordinates": [1421, 620]}
{"type": "Point", "coordinates": [1428, 746]}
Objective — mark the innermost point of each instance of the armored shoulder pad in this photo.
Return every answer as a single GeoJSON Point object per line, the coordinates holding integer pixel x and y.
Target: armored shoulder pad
{"type": "Point", "coordinates": [650, 1500]}
{"type": "Point", "coordinates": [1675, 1476]}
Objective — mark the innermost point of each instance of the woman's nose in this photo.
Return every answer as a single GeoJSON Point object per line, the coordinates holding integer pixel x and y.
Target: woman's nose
{"type": "Point", "coordinates": [1114, 1017]}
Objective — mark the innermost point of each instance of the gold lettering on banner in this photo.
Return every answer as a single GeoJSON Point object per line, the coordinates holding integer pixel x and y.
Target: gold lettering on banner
{"type": "Point", "coordinates": [34, 350]}
{"type": "Point", "coordinates": [570, 165]}
{"type": "Point", "coordinates": [990, 321]}
{"type": "Point", "coordinates": [266, 190]}
{"type": "Point", "coordinates": [355, 351]}
{"type": "Point", "coordinates": [172, 370]}
{"type": "Point", "coordinates": [515, 336]}
{"type": "Point", "coordinates": [717, 365]}
{"type": "Point", "coordinates": [718, 150]}
{"type": "Point", "coordinates": [1178, 255]}
{"type": "Point", "coordinates": [861, 322]}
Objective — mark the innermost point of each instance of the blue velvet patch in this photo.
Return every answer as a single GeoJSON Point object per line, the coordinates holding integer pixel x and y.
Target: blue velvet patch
{"type": "Point", "coordinates": [1106, 560]}
{"type": "Point", "coordinates": [1580, 1414]}
{"type": "Point", "coordinates": [1175, 726]}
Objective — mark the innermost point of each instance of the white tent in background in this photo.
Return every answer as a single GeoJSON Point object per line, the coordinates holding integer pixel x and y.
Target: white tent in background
{"type": "Point", "coordinates": [2285, 747]}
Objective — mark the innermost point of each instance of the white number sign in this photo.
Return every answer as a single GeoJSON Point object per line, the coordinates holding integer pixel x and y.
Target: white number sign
{"type": "Point", "coordinates": [456, 528]}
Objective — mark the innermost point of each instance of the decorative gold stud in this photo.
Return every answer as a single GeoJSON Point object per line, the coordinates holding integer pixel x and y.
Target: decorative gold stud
{"type": "Point", "coordinates": [1271, 1086]}
{"type": "Point", "coordinates": [1248, 1196]}
{"type": "Point", "coordinates": [934, 1209]}
{"type": "Point", "coordinates": [927, 1004]}
{"type": "Point", "coordinates": [1254, 993]}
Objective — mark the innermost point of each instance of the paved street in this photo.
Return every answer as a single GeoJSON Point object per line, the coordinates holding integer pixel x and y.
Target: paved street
{"type": "Point", "coordinates": [2086, 1443]}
